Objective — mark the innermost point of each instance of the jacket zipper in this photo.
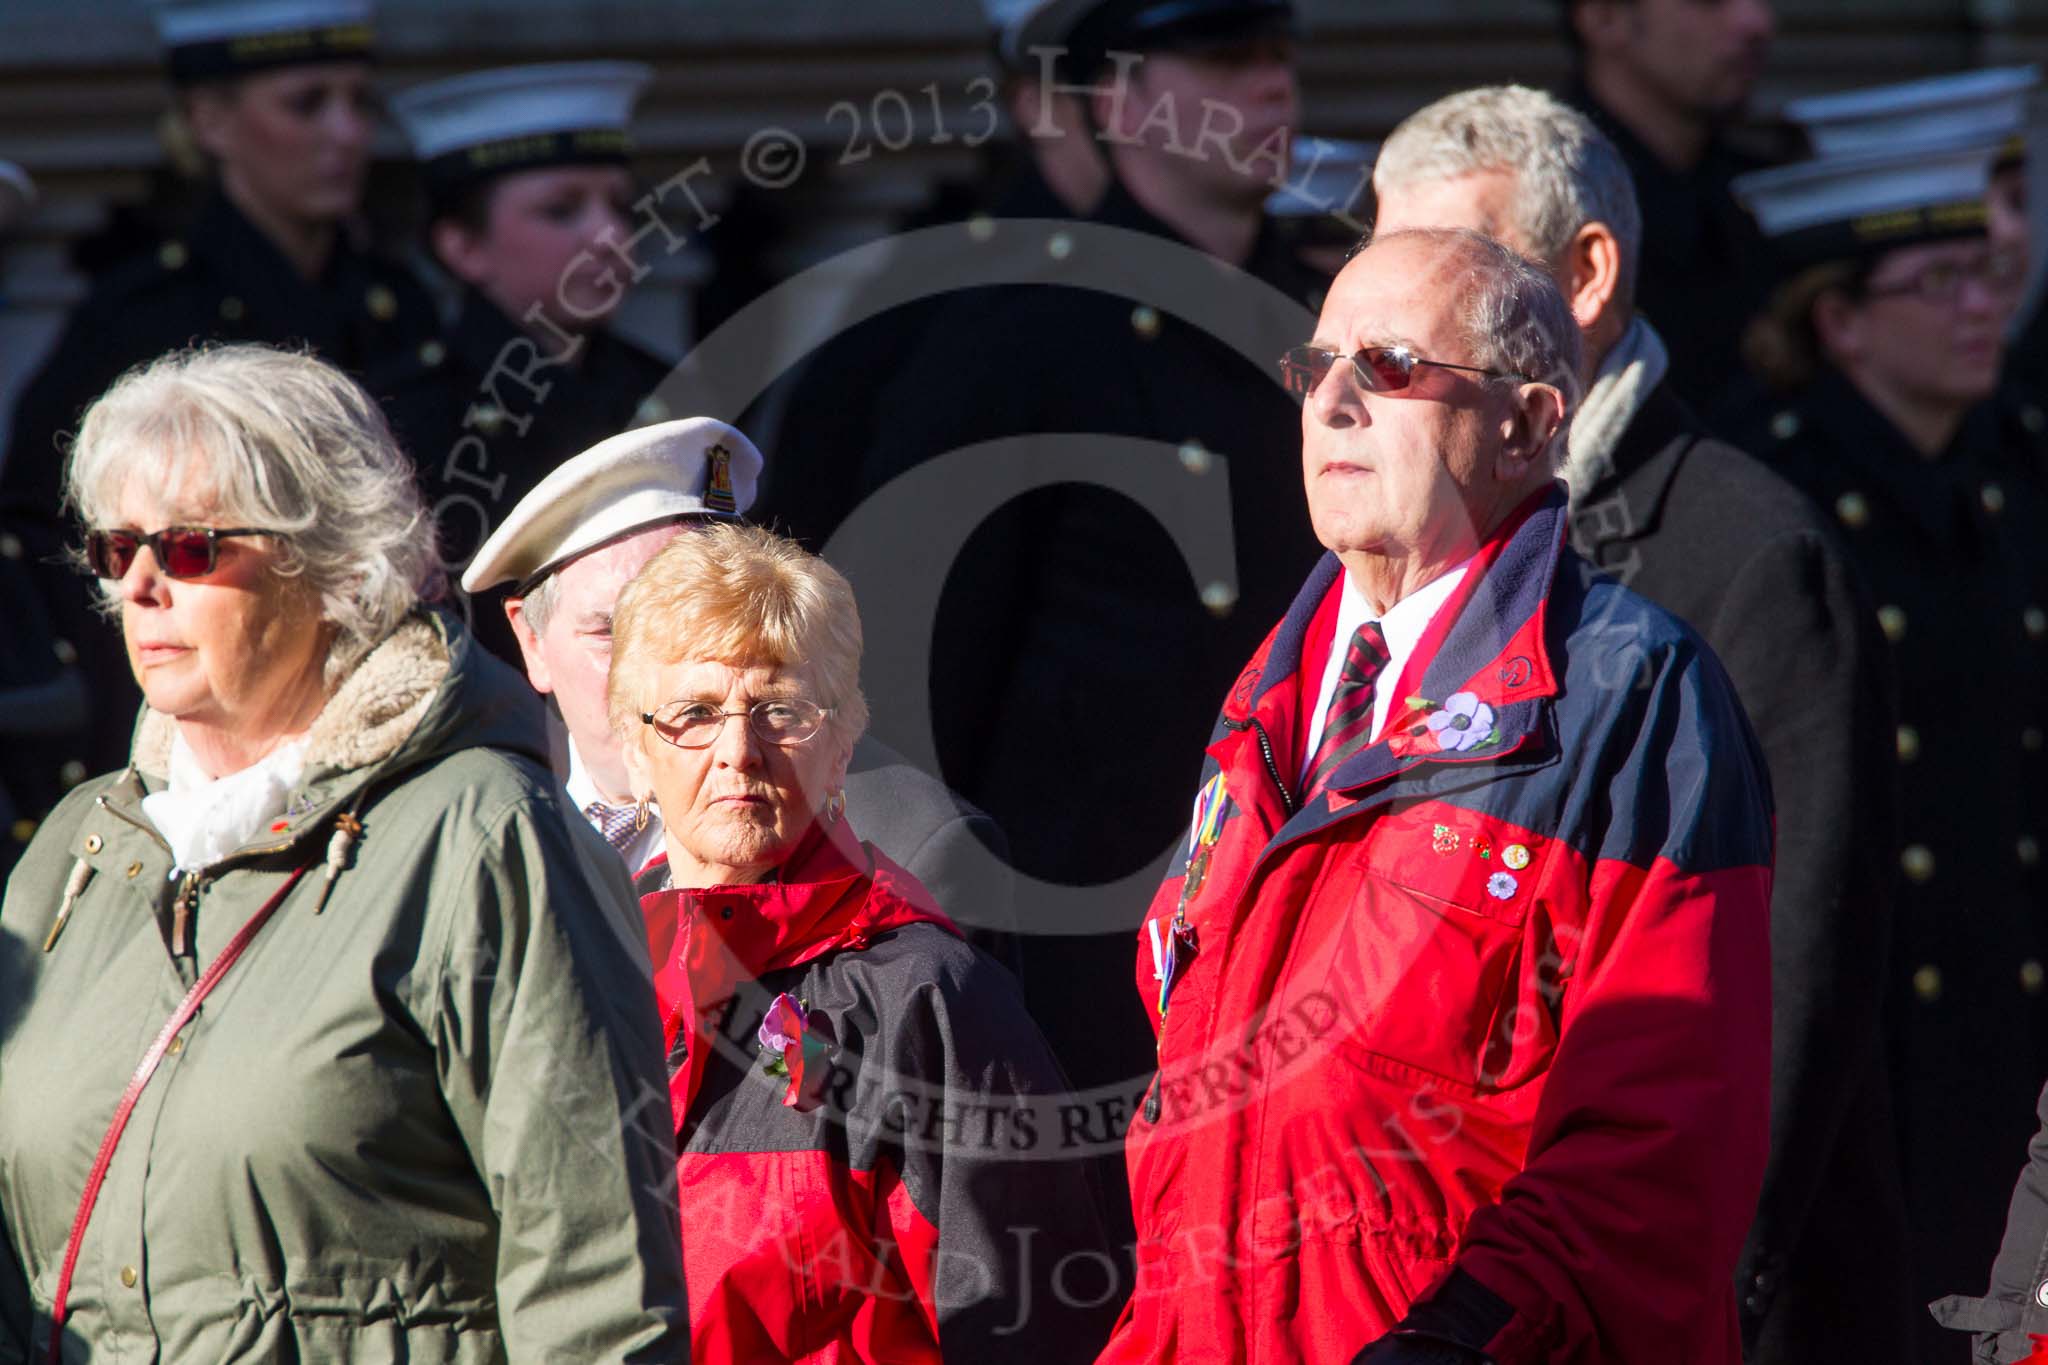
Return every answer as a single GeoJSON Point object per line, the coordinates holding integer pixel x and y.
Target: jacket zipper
{"type": "Point", "coordinates": [193, 882]}
{"type": "Point", "coordinates": [181, 914]}
{"type": "Point", "coordinates": [1266, 752]}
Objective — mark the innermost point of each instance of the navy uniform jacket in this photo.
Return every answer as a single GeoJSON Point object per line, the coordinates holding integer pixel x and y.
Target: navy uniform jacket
{"type": "Point", "coordinates": [221, 281]}
{"type": "Point", "coordinates": [1953, 554]}
{"type": "Point", "coordinates": [1075, 669]}
{"type": "Point", "coordinates": [1704, 271]}
{"type": "Point", "coordinates": [489, 414]}
{"type": "Point", "coordinates": [1745, 559]}
{"type": "Point", "coordinates": [813, 478]}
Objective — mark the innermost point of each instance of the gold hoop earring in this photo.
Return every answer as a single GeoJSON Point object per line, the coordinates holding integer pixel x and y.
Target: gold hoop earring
{"type": "Point", "coordinates": [640, 815]}
{"type": "Point", "coordinates": [835, 807]}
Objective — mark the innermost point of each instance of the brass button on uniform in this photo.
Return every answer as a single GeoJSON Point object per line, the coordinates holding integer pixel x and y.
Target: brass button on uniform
{"type": "Point", "coordinates": [2032, 976]}
{"type": "Point", "coordinates": [1927, 984]}
{"type": "Point", "coordinates": [1892, 621]}
{"type": "Point", "coordinates": [1145, 321]}
{"type": "Point", "coordinates": [1854, 510]}
{"type": "Point", "coordinates": [134, 871]}
{"type": "Point", "coordinates": [93, 843]}
{"type": "Point", "coordinates": [1909, 744]}
{"type": "Point", "coordinates": [233, 309]}
{"type": "Point", "coordinates": [382, 303]}
{"type": "Point", "coordinates": [128, 1277]}
{"type": "Point", "coordinates": [1785, 425]}
{"type": "Point", "coordinates": [1918, 862]}
{"type": "Point", "coordinates": [177, 1045]}
{"type": "Point", "coordinates": [1993, 498]}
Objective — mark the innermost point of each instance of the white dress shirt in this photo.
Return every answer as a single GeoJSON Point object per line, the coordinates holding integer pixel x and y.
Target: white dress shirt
{"type": "Point", "coordinates": [1403, 625]}
{"type": "Point", "coordinates": [583, 791]}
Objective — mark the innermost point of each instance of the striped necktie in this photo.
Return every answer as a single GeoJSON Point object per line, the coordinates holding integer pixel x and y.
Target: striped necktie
{"type": "Point", "coordinates": [615, 823]}
{"type": "Point", "coordinates": [1347, 725]}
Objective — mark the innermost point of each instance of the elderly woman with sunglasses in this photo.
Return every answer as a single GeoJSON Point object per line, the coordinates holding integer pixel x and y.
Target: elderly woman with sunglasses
{"type": "Point", "coordinates": [872, 1164]}
{"type": "Point", "coordinates": [324, 1029]}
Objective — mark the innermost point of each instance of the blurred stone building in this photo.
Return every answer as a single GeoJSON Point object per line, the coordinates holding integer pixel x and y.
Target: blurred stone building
{"type": "Point", "coordinates": [883, 95]}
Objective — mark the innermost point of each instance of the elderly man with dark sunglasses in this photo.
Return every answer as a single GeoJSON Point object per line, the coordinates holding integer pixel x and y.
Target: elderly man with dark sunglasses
{"type": "Point", "coordinates": [1736, 552]}
{"type": "Point", "coordinates": [1462, 986]}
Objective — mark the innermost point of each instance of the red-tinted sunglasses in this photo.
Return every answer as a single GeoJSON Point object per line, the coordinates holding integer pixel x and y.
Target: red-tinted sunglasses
{"type": "Point", "coordinates": [1380, 369]}
{"type": "Point", "coordinates": [181, 551]}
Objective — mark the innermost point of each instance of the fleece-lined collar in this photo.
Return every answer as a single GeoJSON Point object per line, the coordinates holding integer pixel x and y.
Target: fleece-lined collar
{"type": "Point", "coordinates": [373, 712]}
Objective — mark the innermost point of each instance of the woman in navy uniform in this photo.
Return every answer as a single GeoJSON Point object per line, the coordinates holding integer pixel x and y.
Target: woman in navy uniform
{"type": "Point", "coordinates": [278, 99]}
{"type": "Point", "coordinates": [526, 170]}
{"type": "Point", "coordinates": [1886, 345]}
{"type": "Point", "coordinates": [276, 96]}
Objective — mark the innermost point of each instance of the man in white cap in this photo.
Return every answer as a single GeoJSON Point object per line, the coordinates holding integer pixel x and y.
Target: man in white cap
{"type": "Point", "coordinates": [573, 543]}
{"type": "Point", "coordinates": [530, 195]}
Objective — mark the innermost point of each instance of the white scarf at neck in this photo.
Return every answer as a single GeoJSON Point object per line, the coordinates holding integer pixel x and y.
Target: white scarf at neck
{"type": "Point", "coordinates": [1629, 372]}
{"type": "Point", "coordinates": [206, 818]}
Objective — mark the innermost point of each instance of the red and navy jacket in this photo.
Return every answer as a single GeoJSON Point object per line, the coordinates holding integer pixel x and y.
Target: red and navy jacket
{"type": "Point", "coordinates": [895, 1191]}
{"type": "Point", "coordinates": [1476, 1044]}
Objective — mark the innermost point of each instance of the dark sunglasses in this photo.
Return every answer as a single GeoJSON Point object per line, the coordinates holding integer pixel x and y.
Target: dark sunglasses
{"type": "Point", "coordinates": [181, 551]}
{"type": "Point", "coordinates": [1380, 369]}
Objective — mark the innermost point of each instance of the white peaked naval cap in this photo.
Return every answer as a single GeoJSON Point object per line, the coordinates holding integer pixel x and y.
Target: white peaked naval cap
{"type": "Point", "coordinates": [215, 39]}
{"type": "Point", "coordinates": [1987, 105]}
{"type": "Point", "coordinates": [649, 476]}
{"type": "Point", "coordinates": [512, 103]}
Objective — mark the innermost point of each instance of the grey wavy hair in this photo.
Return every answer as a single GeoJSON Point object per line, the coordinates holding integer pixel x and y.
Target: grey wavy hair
{"type": "Point", "coordinates": [1567, 173]}
{"type": "Point", "coordinates": [279, 440]}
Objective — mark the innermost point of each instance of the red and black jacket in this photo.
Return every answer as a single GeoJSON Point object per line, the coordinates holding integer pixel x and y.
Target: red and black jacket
{"type": "Point", "coordinates": [897, 1196]}
{"type": "Point", "coordinates": [1477, 1043]}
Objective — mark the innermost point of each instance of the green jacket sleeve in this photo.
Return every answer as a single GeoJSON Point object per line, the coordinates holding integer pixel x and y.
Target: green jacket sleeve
{"type": "Point", "coordinates": [550, 1055]}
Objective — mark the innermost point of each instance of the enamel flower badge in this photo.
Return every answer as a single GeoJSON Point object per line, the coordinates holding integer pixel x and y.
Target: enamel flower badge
{"type": "Point", "coordinates": [1462, 722]}
{"type": "Point", "coordinates": [796, 1046]}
